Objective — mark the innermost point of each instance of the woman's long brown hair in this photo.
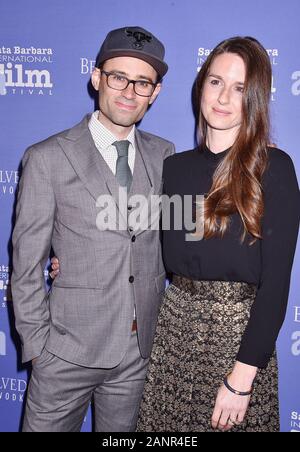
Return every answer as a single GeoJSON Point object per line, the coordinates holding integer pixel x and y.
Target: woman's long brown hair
{"type": "Point", "coordinates": [237, 181]}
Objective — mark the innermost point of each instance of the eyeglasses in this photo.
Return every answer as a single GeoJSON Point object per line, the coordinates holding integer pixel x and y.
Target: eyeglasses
{"type": "Point", "coordinates": [119, 82]}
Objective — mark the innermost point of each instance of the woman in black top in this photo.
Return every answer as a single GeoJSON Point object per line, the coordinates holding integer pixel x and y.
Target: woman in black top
{"type": "Point", "coordinates": [213, 364]}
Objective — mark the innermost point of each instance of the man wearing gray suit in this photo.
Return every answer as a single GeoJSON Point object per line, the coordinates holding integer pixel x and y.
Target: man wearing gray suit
{"type": "Point", "coordinates": [92, 335]}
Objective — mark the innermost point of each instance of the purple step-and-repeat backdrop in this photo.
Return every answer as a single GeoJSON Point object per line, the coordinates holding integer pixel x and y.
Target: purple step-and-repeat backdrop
{"type": "Point", "coordinates": [46, 57]}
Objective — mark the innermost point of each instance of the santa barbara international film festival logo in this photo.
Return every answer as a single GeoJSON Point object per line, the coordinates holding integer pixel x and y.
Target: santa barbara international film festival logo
{"type": "Point", "coordinates": [203, 53]}
{"type": "Point", "coordinates": [25, 71]}
{"type": "Point", "coordinates": [295, 421]}
{"type": "Point", "coordinates": [5, 289]}
{"type": "Point", "coordinates": [295, 337]}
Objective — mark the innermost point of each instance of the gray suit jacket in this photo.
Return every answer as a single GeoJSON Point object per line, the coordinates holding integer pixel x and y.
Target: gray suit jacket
{"type": "Point", "coordinates": [87, 316]}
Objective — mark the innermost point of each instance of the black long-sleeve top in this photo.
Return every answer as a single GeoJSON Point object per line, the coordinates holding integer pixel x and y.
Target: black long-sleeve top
{"type": "Point", "coordinates": [267, 263]}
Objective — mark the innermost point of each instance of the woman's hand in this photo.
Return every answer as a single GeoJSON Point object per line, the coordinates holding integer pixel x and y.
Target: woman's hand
{"type": "Point", "coordinates": [230, 409]}
{"type": "Point", "coordinates": [55, 267]}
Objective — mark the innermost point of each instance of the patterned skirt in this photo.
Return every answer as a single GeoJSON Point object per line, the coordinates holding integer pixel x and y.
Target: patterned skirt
{"type": "Point", "coordinates": [198, 336]}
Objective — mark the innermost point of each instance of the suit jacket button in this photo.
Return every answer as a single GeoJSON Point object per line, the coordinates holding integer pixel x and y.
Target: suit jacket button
{"type": "Point", "coordinates": [60, 331]}
{"type": "Point", "coordinates": [133, 238]}
{"type": "Point", "coordinates": [131, 279]}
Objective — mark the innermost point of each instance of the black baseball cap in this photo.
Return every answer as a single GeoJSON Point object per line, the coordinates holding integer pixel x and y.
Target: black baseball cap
{"type": "Point", "coordinates": [134, 42]}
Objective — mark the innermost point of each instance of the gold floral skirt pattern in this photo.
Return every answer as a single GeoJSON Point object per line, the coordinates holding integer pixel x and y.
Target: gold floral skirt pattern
{"type": "Point", "coordinates": [198, 336]}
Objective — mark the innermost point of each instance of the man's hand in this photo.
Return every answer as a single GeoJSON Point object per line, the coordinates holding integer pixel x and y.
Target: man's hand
{"type": "Point", "coordinates": [55, 267]}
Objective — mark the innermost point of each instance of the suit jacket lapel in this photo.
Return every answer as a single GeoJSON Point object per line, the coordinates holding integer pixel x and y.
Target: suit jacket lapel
{"type": "Point", "coordinates": [82, 154]}
{"type": "Point", "coordinates": [146, 181]}
{"type": "Point", "coordinates": [144, 149]}
{"type": "Point", "coordinates": [80, 149]}
{"type": "Point", "coordinates": [145, 146]}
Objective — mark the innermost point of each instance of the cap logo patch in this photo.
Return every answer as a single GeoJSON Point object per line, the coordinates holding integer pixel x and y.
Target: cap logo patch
{"type": "Point", "coordinates": [139, 38]}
